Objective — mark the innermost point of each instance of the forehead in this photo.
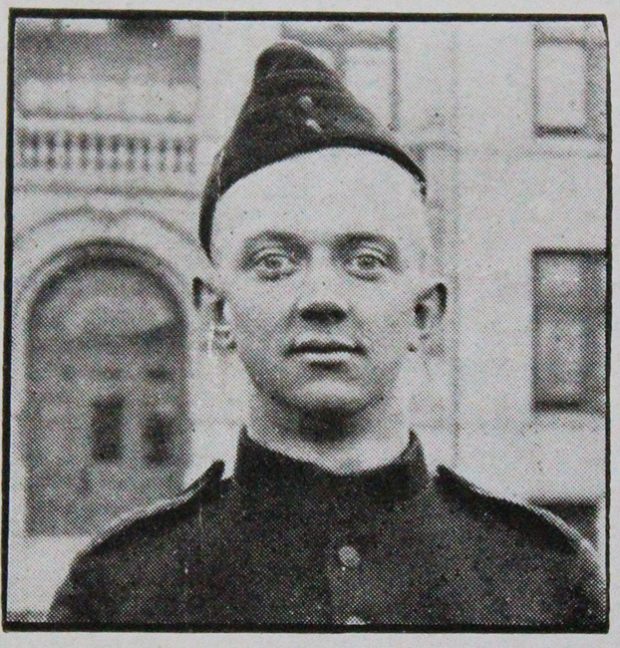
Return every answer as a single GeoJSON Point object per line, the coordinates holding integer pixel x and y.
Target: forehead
{"type": "Point", "coordinates": [318, 195]}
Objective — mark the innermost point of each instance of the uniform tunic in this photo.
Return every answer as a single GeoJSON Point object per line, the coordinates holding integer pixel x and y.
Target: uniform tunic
{"type": "Point", "coordinates": [285, 543]}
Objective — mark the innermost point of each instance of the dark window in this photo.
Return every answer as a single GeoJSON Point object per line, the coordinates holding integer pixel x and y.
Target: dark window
{"type": "Point", "coordinates": [366, 60]}
{"type": "Point", "coordinates": [159, 374]}
{"type": "Point", "coordinates": [570, 84]}
{"type": "Point", "coordinates": [150, 26]}
{"type": "Point", "coordinates": [106, 428]}
{"type": "Point", "coordinates": [569, 330]}
{"type": "Point", "coordinates": [157, 435]}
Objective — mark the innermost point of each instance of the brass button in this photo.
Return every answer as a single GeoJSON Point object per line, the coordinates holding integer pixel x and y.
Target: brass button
{"type": "Point", "coordinates": [355, 620]}
{"type": "Point", "coordinates": [349, 556]}
{"type": "Point", "coordinates": [314, 125]}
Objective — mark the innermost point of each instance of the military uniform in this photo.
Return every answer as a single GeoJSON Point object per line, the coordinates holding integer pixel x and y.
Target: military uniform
{"type": "Point", "coordinates": [284, 543]}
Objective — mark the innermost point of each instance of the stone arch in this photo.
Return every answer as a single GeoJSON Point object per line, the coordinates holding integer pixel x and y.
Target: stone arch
{"type": "Point", "coordinates": [39, 248]}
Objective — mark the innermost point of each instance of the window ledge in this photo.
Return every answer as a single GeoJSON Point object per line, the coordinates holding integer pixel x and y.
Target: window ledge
{"type": "Point", "coordinates": [558, 145]}
{"type": "Point", "coordinates": [578, 421]}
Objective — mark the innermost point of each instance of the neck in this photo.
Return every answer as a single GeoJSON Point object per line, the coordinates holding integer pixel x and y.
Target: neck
{"type": "Point", "coordinates": [339, 443]}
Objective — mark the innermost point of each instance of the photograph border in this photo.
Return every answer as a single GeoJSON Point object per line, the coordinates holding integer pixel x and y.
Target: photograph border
{"type": "Point", "coordinates": [300, 16]}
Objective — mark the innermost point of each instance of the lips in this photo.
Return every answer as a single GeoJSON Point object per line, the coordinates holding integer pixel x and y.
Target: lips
{"type": "Point", "coordinates": [325, 347]}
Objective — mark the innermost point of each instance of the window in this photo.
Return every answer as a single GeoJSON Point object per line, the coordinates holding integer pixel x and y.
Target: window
{"type": "Point", "coordinates": [157, 437]}
{"type": "Point", "coordinates": [159, 374]}
{"type": "Point", "coordinates": [569, 330]}
{"type": "Point", "coordinates": [106, 427]}
{"type": "Point", "coordinates": [366, 60]}
{"type": "Point", "coordinates": [570, 68]}
{"type": "Point", "coordinates": [152, 26]}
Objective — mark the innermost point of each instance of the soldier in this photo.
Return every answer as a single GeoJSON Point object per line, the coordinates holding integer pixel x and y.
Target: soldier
{"type": "Point", "coordinates": [313, 223]}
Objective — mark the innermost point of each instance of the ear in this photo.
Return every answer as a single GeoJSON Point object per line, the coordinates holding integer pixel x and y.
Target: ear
{"type": "Point", "coordinates": [203, 294]}
{"type": "Point", "coordinates": [429, 308]}
{"type": "Point", "coordinates": [209, 297]}
{"type": "Point", "coordinates": [206, 290]}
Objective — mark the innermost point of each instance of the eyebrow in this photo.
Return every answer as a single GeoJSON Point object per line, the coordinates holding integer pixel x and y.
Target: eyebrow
{"type": "Point", "coordinates": [352, 239]}
{"type": "Point", "coordinates": [270, 236]}
{"type": "Point", "coordinates": [360, 238]}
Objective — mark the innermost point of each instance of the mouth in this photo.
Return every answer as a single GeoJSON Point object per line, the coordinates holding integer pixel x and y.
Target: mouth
{"type": "Point", "coordinates": [325, 349]}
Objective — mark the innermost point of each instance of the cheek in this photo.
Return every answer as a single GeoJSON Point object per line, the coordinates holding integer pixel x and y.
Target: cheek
{"type": "Point", "coordinates": [254, 316]}
{"type": "Point", "coordinates": [388, 315]}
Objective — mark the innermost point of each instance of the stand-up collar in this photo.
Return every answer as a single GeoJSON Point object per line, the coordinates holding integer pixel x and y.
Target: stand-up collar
{"type": "Point", "coordinates": [266, 475]}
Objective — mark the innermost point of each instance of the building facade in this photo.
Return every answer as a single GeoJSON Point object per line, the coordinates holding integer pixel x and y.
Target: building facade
{"type": "Point", "coordinates": [123, 391]}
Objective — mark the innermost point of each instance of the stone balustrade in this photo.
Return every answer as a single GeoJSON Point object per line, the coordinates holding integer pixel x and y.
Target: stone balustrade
{"type": "Point", "coordinates": [121, 159]}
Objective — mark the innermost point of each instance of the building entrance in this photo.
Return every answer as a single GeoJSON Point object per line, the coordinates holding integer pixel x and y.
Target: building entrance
{"type": "Point", "coordinates": [106, 412]}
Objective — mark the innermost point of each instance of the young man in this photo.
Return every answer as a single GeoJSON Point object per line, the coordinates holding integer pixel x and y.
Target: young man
{"type": "Point", "coordinates": [313, 222]}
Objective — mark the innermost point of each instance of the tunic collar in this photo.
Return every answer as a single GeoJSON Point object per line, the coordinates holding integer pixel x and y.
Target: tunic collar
{"type": "Point", "coordinates": [267, 477]}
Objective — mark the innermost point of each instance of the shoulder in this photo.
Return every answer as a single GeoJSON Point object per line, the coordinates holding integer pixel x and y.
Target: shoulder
{"type": "Point", "coordinates": [138, 558]}
{"type": "Point", "coordinates": [159, 518]}
{"type": "Point", "coordinates": [541, 527]}
{"type": "Point", "coordinates": [543, 568]}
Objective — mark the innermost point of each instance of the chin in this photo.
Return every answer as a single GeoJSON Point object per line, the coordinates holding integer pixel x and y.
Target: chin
{"type": "Point", "coordinates": [329, 399]}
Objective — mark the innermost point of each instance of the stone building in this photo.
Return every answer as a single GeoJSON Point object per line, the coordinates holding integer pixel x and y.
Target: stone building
{"type": "Point", "coordinates": [123, 391]}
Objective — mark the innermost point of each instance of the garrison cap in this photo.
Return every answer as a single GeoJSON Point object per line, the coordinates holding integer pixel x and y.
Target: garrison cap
{"type": "Point", "coordinates": [297, 104]}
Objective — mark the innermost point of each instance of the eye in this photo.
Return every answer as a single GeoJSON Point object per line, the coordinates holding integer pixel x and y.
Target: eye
{"type": "Point", "coordinates": [367, 264]}
{"type": "Point", "coordinates": [274, 264]}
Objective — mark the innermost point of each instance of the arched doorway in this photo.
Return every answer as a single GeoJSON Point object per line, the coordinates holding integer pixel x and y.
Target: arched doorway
{"type": "Point", "coordinates": [106, 410]}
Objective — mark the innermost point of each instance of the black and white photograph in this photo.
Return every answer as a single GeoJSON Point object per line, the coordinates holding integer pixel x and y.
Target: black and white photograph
{"type": "Point", "coordinates": [307, 322]}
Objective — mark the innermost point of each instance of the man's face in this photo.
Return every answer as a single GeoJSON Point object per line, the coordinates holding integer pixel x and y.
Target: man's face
{"type": "Point", "coordinates": [320, 260]}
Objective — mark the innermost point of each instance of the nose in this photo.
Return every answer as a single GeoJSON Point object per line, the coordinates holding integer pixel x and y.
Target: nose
{"type": "Point", "coordinates": [322, 312]}
{"type": "Point", "coordinates": [323, 300]}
